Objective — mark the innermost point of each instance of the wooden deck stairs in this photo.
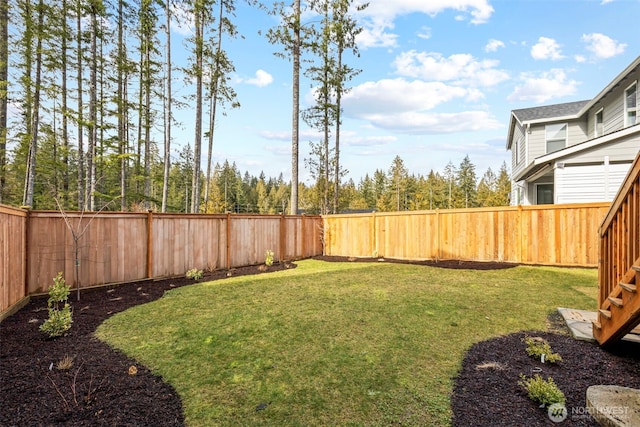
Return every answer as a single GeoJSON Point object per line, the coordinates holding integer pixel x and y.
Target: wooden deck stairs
{"type": "Point", "coordinates": [619, 263]}
{"type": "Point", "coordinates": [619, 314]}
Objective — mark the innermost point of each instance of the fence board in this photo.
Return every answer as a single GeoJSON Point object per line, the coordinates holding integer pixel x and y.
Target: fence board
{"type": "Point", "coordinates": [551, 235]}
{"type": "Point", "coordinates": [13, 225]}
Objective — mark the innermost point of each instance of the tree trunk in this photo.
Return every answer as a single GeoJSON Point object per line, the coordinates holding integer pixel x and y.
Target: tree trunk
{"type": "Point", "coordinates": [80, 119]}
{"type": "Point", "coordinates": [65, 107]}
{"type": "Point", "coordinates": [4, 77]}
{"type": "Point", "coordinates": [35, 118]}
{"type": "Point", "coordinates": [215, 76]}
{"type": "Point", "coordinates": [197, 143]}
{"type": "Point", "coordinates": [93, 112]}
{"type": "Point", "coordinates": [167, 112]}
{"type": "Point", "coordinates": [295, 126]}
{"type": "Point", "coordinates": [122, 135]}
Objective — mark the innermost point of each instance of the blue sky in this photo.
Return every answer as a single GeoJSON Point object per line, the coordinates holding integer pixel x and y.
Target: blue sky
{"type": "Point", "coordinates": [439, 79]}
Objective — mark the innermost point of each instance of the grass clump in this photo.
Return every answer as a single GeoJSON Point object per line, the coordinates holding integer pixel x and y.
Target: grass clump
{"type": "Point", "coordinates": [60, 316]}
{"type": "Point", "coordinates": [334, 343]}
{"type": "Point", "coordinates": [540, 348]}
{"type": "Point", "coordinates": [544, 392]}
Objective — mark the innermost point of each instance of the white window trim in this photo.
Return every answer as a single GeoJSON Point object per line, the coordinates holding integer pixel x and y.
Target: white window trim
{"type": "Point", "coordinates": [566, 137]}
{"type": "Point", "coordinates": [595, 122]}
{"type": "Point", "coordinates": [624, 100]}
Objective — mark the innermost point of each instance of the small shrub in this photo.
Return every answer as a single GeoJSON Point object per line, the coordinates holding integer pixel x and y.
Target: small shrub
{"type": "Point", "coordinates": [540, 348]}
{"type": "Point", "coordinates": [195, 274]}
{"type": "Point", "coordinates": [60, 318]}
{"type": "Point", "coordinates": [544, 392]}
{"type": "Point", "coordinates": [268, 258]}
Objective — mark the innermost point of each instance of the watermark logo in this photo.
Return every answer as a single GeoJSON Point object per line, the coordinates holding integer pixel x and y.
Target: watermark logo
{"type": "Point", "coordinates": [557, 412]}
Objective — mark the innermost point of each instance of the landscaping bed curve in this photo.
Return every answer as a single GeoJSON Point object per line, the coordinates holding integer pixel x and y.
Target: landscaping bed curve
{"type": "Point", "coordinates": [104, 387]}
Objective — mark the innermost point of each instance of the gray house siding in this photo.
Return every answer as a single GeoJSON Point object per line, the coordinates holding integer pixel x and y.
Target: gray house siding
{"type": "Point", "coordinates": [592, 165]}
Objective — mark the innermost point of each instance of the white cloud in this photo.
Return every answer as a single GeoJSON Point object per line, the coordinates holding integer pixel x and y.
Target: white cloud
{"type": "Point", "coordinates": [602, 46]}
{"type": "Point", "coordinates": [493, 45]}
{"type": "Point", "coordinates": [546, 48]}
{"type": "Point", "coordinates": [425, 33]}
{"type": "Point", "coordinates": [415, 122]}
{"type": "Point", "coordinates": [479, 10]}
{"type": "Point", "coordinates": [458, 68]}
{"type": "Point", "coordinates": [181, 19]}
{"type": "Point", "coordinates": [354, 139]}
{"type": "Point", "coordinates": [375, 35]}
{"type": "Point", "coordinates": [261, 79]}
{"type": "Point", "coordinates": [390, 96]}
{"type": "Point", "coordinates": [403, 106]}
{"type": "Point", "coordinates": [543, 87]}
{"type": "Point", "coordinates": [378, 19]}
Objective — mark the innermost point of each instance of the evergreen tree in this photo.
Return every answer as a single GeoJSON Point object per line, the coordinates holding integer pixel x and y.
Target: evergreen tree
{"type": "Point", "coordinates": [467, 182]}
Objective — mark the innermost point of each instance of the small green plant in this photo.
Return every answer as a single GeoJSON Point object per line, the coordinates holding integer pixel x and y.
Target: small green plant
{"type": "Point", "coordinates": [268, 260]}
{"type": "Point", "coordinates": [60, 317]}
{"type": "Point", "coordinates": [195, 274]}
{"type": "Point", "coordinates": [544, 392]}
{"type": "Point", "coordinates": [540, 348]}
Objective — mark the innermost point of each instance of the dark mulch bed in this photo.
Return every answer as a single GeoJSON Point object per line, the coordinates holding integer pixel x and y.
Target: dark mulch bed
{"type": "Point", "coordinates": [490, 396]}
{"type": "Point", "coordinates": [98, 389]}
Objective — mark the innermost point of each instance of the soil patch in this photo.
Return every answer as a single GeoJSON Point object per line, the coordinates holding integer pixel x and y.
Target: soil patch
{"type": "Point", "coordinates": [101, 388]}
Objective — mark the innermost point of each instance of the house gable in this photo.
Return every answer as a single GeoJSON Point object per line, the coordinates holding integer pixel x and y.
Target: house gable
{"type": "Point", "coordinates": [584, 133]}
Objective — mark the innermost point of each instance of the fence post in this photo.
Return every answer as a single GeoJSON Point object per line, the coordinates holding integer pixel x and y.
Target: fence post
{"type": "Point", "coordinates": [281, 249]}
{"type": "Point", "coordinates": [149, 244]}
{"type": "Point", "coordinates": [302, 239]}
{"type": "Point", "coordinates": [27, 258]}
{"type": "Point", "coordinates": [375, 234]}
{"type": "Point", "coordinates": [228, 240]}
{"type": "Point", "coordinates": [520, 234]}
{"type": "Point", "coordinates": [438, 239]}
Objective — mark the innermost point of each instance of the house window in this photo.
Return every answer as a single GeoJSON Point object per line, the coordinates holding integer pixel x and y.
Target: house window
{"type": "Point", "coordinates": [631, 105]}
{"type": "Point", "coordinates": [599, 124]}
{"type": "Point", "coordinates": [556, 136]}
{"type": "Point", "coordinates": [544, 194]}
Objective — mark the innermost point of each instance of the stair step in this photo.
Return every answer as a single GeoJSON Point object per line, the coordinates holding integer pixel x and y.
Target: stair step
{"type": "Point", "coordinates": [605, 313]}
{"type": "Point", "coordinates": [616, 301]}
{"type": "Point", "coordinates": [596, 324]}
{"type": "Point", "coordinates": [628, 287]}
{"type": "Point", "coordinates": [636, 267]}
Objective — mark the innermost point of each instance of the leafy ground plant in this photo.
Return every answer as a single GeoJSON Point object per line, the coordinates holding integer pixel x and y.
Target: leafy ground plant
{"type": "Point", "coordinates": [334, 343]}
{"type": "Point", "coordinates": [268, 260]}
{"type": "Point", "coordinates": [195, 274]}
{"type": "Point", "coordinates": [60, 316]}
{"type": "Point", "coordinates": [539, 348]}
{"type": "Point", "coordinates": [544, 392]}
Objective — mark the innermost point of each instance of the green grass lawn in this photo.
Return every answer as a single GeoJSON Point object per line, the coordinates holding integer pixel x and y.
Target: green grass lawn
{"type": "Point", "coordinates": [335, 343]}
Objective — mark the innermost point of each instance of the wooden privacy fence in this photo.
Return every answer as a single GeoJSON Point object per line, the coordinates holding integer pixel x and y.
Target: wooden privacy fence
{"type": "Point", "coordinates": [124, 247]}
{"type": "Point", "coordinates": [550, 234]}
